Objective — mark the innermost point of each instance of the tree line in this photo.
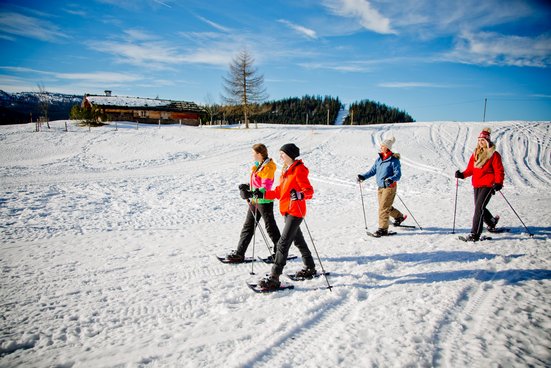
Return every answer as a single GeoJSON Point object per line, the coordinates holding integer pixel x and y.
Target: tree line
{"type": "Point", "coordinates": [245, 96]}
{"type": "Point", "coordinates": [308, 110]}
{"type": "Point", "coordinates": [371, 112]}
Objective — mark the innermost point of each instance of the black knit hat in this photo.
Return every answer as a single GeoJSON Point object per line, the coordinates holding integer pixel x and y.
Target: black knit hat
{"type": "Point", "coordinates": [290, 150]}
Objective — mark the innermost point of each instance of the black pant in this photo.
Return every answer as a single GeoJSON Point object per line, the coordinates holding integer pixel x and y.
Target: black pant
{"type": "Point", "coordinates": [263, 210]}
{"type": "Point", "coordinates": [481, 198]}
{"type": "Point", "coordinates": [291, 232]}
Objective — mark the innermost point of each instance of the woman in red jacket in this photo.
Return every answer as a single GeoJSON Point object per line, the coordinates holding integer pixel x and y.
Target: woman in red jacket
{"type": "Point", "coordinates": [293, 190]}
{"type": "Point", "coordinates": [487, 173]}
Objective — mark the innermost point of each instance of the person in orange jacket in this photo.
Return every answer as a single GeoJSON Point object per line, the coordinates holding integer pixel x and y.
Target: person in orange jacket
{"type": "Point", "coordinates": [293, 190]}
{"type": "Point", "coordinates": [487, 173]}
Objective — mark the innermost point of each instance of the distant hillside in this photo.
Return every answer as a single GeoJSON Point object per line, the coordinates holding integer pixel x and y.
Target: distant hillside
{"type": "Point", "coordinates": [15, 108]}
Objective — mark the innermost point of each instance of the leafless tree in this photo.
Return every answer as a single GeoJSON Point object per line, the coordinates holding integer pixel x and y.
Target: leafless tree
{"type": "Point", "coordinates": [243, 85]}
{"type": "Point", "coordinates": [43, 102]}
{"type": "Point", "coordinates": [211, 107]}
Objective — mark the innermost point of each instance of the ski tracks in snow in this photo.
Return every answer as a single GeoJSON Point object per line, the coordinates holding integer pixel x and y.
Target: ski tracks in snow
{"type": "Point", "coordinates": [294, 344]}
{"type": "Point", "coordinates": [457, 343]}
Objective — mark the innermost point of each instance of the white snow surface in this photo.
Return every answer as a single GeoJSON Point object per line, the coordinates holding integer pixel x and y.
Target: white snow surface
{"type": "Point", "coordinates": [109, 239]}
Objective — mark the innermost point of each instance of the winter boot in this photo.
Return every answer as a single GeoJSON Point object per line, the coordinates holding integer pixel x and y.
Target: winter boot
{"type": "Point", "coordinates": [306, 273]}
{"type": "Point", "coordinates": [491, 228]}
{"type": "Point", "coordinates": [398, 221]}
{"type": "Point", "coordinates": [472, 238]}
{"type": "Point", "coordinates": [235, 257]}
{"type": "Point", "coordinates": [381, 232]}
{"type": "Point", "coordinates": [269, 283]}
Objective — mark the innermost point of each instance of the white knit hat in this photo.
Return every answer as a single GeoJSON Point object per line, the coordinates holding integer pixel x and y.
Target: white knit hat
{"type": "Point", "coordinates": [388, 142]}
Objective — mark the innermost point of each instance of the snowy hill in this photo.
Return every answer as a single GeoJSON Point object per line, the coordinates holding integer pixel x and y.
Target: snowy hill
{"type": "Point", "coordinates": [16, 107]}
{"type": "Point", "coordinates": [109, 236]}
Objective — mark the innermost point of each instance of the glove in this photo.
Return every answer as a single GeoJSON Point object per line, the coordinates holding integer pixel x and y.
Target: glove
{"type": "Point", "coordinates": [296, 196]}
{"type": "Point", "coordinates": [243, 191]}
{"type": "Point", "coordinates": [459, 175]}
{"type": "Point", "coordinates": [360, 178]}
{"type": "Point", "coordinates": [497, 187]}
{"type": "Point", "coordinates": [257, 193]}
{"type": "Point", "coordinates": [246, 194]}
{"type": "Point", "coordinates": [388, 182]}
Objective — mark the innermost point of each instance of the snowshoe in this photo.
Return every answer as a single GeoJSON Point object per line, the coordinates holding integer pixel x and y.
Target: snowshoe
{"type": "Point", "coordinates": [298, 276]}
{"type": "Point", "coordinates": [306, 273]}
{"type": "Point", "coordinates": [270, 259]}
{"type": "Point", "coordinates": [473, 238]}
{"type": "Point", "coordinates": [381, 232]}
{"type": "Point", "coordinates": [257, 289]}
{"type": "Point", "coordinates": [269, 283]}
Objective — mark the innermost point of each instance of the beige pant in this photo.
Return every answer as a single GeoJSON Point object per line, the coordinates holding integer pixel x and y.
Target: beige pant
{"type": "Point", "coordinates": [386, 198]}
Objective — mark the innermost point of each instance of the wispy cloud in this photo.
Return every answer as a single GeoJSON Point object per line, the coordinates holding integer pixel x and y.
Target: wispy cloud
{"type": "Point", "coordinates": [363, 12]}
{"type": "Point", "coordinates": [17, 24]}
{"type": "Point", "coordinates": [214, 25]}
{"type": "Point", "coordinates": [490, 48]}
{"type": "Point", "coordinates": [103, 77]}
{"type": "Point", "coordinates": [150, 54]}
{"type": "Point", "coordinates": [413, 85]}
{"type": "Point", "coordinates": [310, 33]}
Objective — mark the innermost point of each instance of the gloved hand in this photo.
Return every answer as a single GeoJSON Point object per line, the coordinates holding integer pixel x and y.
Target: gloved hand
{"type": "Point", "coordinates": [257, 193]}
{"type": "Point", "coordinates": [459, 175]}
{"type": "Point", "coordinates": [243, 189]}
{"type": "Point", "coordinates": [497, 187]}
{"type": "Point", "coordinates": [360, 178]}
{"type": "Point", "coordinates": [296, 196]}
{"type": "Point", "coordinates": [388, 182]}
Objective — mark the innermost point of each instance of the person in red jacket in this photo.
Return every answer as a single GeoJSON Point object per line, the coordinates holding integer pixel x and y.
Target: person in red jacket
{"type": "Point", "coordinates": [293, 190]}
{"type": "Point", "coordinates": [487, 173]}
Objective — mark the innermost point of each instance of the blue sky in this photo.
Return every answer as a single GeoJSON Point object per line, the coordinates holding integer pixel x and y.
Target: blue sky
{"type": "Point", "coordinates": [437, 60]}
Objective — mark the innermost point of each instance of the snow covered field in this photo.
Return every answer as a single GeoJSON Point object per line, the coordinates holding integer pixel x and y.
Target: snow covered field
{"type": "Point", "coordinates": [109, 236]}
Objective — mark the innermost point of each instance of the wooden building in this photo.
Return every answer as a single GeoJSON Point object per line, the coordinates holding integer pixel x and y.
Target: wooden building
{"type": "Point", "coordinates": [144, 110]}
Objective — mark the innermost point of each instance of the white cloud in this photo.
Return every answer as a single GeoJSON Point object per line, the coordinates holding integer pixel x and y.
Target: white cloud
{"type": "Point", "coordinates": [154, 55]}
{"type": "Point", "coordinates": [413, 85]}
{"type": "Point", "coordinates": [310, 33]}
{"type": "Point", "coordinates": [31, 27]}
{"type": "Point", "coordinates": [214, 25]}
{"type": "Point", "coordinates": [363, 11]}
{"type": "Point", "coordinates": [490, 48]}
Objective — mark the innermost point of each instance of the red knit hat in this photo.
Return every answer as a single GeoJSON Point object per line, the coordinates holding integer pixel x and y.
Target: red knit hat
{"type": "Point", "coordinates": [485, 133]}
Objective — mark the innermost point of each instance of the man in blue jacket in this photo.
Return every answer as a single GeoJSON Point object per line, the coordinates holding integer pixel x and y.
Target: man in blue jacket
{"type": "Point", "coordinates": [387, 172]}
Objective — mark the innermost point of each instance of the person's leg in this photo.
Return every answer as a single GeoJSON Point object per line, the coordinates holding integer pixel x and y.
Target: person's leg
{"type": "Point", "coordinates": [395, 213]}
{"type": "Point", "coordinates": [288, 234]}
{"type": "Point", "coordinates": [481, 198]}
{"type": "Point", "coordinates": [305, 253]}
{"type": "Point", "coordinates": [267, 212]}
{"type": "Point", "coordinates": [248, 230]}
{"type": "Point", "coordinates": [386, 198]}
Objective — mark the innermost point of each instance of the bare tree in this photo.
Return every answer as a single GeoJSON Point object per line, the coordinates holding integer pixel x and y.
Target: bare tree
{"type": "Point", "coordinates": [244, 86]}
{"type": "Point", "coordinates": [211, 107]}
{"type": "Point", "coordinates": [43, 103]}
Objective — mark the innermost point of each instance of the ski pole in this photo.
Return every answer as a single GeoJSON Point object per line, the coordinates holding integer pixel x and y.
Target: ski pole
{"type": "Point", "coordinates": [315, 249]}
{"type": "Point", "coordinates": [455, 204]}
{"type": "Point", "coordinates": [363, 205]}
{"type": "Point", "coordinates": [528, 231]}
{"type": "Point", "coordinates": [260, 227]}
{"type": "Point", "coordinates": [254, 237]}
{"type": "Point", "coordinates": [420, 228]}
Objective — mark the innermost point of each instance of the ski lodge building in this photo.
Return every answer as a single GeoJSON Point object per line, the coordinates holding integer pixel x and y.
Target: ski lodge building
{"type": "Point", "coordinates": [144, 110]}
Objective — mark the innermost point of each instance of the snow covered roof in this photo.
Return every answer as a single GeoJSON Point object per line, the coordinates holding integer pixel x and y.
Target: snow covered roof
{"type": "Point", "coordinates": [142, 103]}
